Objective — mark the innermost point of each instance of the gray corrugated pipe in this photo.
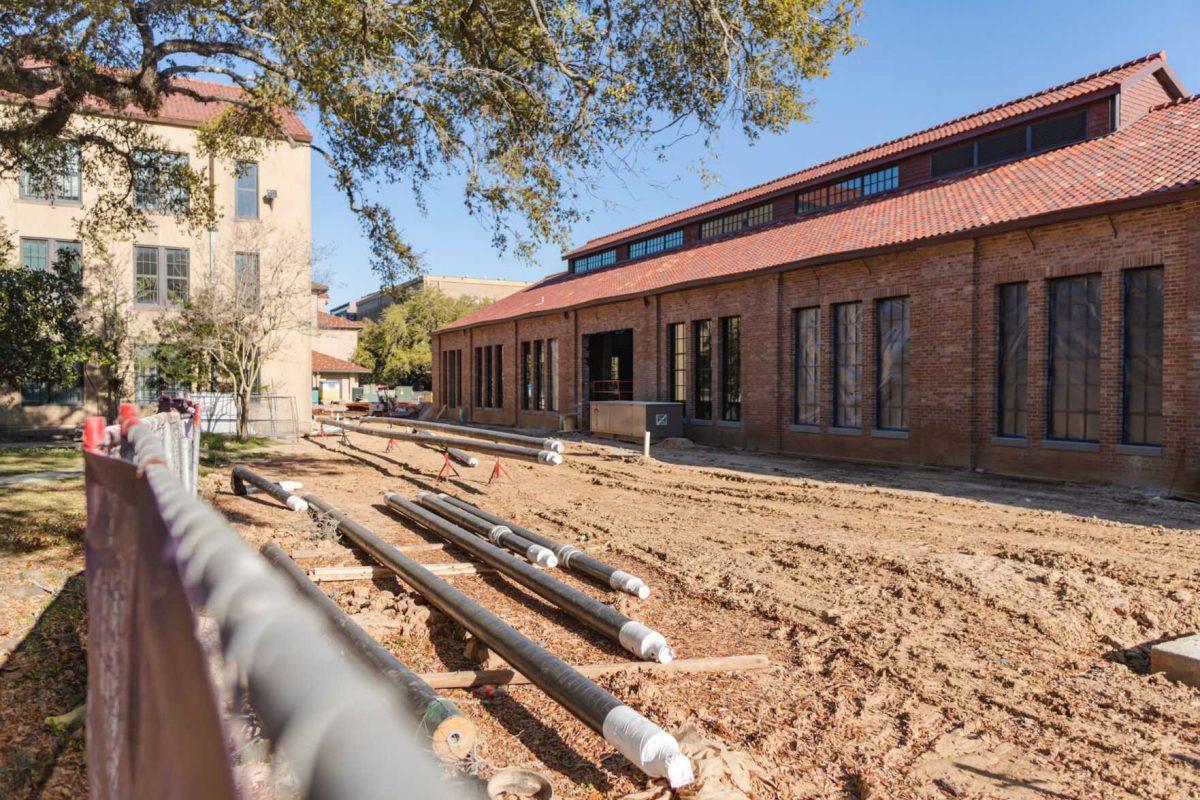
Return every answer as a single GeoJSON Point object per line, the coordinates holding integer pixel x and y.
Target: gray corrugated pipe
{"type": "Point", "coordinates": [499, 535]}
{"type": "Point", "coordinates": [569, 556]}
{"type": "Point", "coordinates": [451, 734]}
{"type": "Point", "coordinates": [323, 710]}
{"type": "Point", "coordinates": [647, 746]}
{"type": "Point", "coordinates": [508, 450]}
{"type": "Point", "coordinates": [479, 433]}
{"type": "Point", "coordinates": [641, 640]}
{"type": "Point", "coordinates": [282, 492]}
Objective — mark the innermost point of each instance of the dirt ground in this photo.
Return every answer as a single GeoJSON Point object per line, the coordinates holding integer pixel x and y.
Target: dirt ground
{"type": "Point", "coordinates": [932, 633]}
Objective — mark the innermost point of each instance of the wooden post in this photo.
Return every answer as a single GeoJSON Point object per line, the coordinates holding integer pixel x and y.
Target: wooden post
{"type": "Point", "coordinates": [471, 678]}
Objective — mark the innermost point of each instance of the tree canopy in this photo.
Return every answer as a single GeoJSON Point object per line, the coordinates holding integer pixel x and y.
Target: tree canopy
{"type": "Point", "coordinates": [42, 337]}
{"type": "Point", "coordinates": [526, 101]}
{"type": "Point", "coordinates": [396, 348]}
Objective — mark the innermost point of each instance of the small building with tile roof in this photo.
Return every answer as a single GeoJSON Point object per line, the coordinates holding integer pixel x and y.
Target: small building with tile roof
{"type": "Point", "coordinates": [1014, 291]}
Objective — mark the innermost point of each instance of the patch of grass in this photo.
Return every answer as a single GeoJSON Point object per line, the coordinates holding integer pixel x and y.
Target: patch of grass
{"type": "Point", "coordinates": [217, 450]}
{"type": "Point", "coordinates": [20, 460]}
{"type": "Point", "coordinates": [38, 516]}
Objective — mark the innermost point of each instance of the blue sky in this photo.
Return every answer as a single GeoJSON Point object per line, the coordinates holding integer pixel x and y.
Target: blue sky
{"type": "Point", "coordinates": [922, 63]}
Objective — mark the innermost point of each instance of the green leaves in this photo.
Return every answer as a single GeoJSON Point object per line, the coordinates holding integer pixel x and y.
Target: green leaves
{"type": "Point", "coordinates": [41, 337]}
{"type": "Point", "coordinates": [396, 348]}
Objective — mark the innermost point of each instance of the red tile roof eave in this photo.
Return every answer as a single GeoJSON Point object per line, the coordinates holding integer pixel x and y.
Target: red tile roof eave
{"type": "Point", "coordinates": [1148, 64]}
{"type": "Point", "coordinates": [179, 122]}
{"type": "Point", "coordinates": [1163, 197]}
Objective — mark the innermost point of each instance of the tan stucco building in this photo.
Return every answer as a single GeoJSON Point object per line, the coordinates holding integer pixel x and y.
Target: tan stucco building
{"type": "Point", "coordinates": [335, 376]}
{"type": "Point", "coordinates": [264, 221]}
{"type": "Point", "coordinates": [371, 306]}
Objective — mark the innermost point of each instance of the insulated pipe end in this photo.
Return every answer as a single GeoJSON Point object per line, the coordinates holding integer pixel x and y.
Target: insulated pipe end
{"type": "Point", "coordinates": [536, 554]}
{"type": "Point", "coordinates": [553, 445]}
{"type": "Point", "coordinates": [642, 591]}
{"type": "Point", "coordinates": [297, 504]}
{"type": "Point", "coordinates": [663, 654]}
{"type": "Point", "coordinates": [550, 457]}
{"type": "Point", "coordinates": [645, 642]}
{"type": "Point", "coordinates": [624, 582]}
{"type": "Point", "coordinates": [291, 486]}
{"type": "Point", "coordinates": [679, 770]}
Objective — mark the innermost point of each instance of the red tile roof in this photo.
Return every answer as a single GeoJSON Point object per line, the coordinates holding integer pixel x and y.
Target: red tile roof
{"type": "Point", "coordinates": [183, 109]}
{"type": "Point", "coordinates": [1158, 155]}
{"type": "Point", "coordinates": [322, 363]}
{"type": "Point", "coordinates": [334, 322]}
{"type": "Point", "coordinates": [1081, 87]}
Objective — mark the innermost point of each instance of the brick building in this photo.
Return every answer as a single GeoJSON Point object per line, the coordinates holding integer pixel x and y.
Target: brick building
{"type": "Point", "coordinates": [1016, 290]}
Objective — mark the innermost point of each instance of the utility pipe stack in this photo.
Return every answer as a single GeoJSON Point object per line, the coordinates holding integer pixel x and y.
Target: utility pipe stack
{"type": "Point", "coordinates": [536, 442]}
{"type": "Point", "coordinates": [648, 746]}
{"type": "Point", "coordinates": [641, 640]}
{"type": "Point", "coordinates": [508, 450]}
{"type": "Point", "coordinates": [451, 734]}
{"type": "Point", "coordinates": [464, 458]}
{"type": "Point", "coordinates": [499, 535]}
{"type": "Point", "coordinates": [569, 556]}
{"type": "Point", "coordinates": [282, 492]}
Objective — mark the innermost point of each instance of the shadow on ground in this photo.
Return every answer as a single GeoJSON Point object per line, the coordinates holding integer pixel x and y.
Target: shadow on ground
{"type": "Point", "coordinates": [45, 676]}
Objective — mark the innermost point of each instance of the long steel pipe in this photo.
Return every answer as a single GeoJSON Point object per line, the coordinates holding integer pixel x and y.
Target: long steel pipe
{"type": "Point", "coordinates": [241, 475]}
{"type": "Point", "coordinates": [648, 746]}
{"type": "Point", "coordinates": [499, 535]}
{"type": "Point", "coordinates": [462, 457]}
{"type": "Point", "coordinates": [569, 556]}
{"type": "Point", "coordinates": [537, 442]}
{"type": "Point", "coordinates": [451, 734]}
{"type": "Point", "coordinates": [641, 640]}
{"type": "Point", "coordinates": [493, 448]}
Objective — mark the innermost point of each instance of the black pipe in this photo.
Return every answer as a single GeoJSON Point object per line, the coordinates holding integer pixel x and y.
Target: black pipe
{"type": "Point", "coordinates": [241, 475]}
{"type": "Point", "coordinates": [653, 750]}
{"type": "Point", "coordinates": [499, 535]}
{"type": "Point", "coordinates": [509, 450]}
{"type": "Point", "coordinates": [462, 457]}
{"type": "Point", "coordinates": [569, 556]}
{"type": "Point", "coordinates": [538, 442]}
{"type": "Point", "coordinates": [635, 637]}
{"type": "Point", "coordinates": [451, 734]}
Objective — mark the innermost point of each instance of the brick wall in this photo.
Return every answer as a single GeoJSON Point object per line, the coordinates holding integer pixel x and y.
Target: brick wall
{"type": "Point", "coordinates": [1140, 97]}
{"type": "Point", "coordinates": [952, 374]}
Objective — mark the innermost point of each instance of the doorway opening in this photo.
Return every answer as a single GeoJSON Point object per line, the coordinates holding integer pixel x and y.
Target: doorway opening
{"type": "Point", "coordinates": [608, 365]}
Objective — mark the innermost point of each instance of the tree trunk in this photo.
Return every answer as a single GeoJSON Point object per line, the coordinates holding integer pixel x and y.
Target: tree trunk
{"type": "Point", "coordinates": [243, 422]}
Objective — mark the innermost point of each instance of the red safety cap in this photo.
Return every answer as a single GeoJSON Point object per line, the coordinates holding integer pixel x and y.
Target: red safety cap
{"type": "Point", "coordinates": [93, 433]}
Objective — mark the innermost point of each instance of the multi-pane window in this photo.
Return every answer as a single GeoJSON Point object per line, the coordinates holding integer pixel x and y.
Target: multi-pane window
{"type": "Point", "coordinates": [702, 345]}
{"type": "Point", "coordinates": [42, 254]}
{"type": "Point", "coordinates": [737, 221]}
{"type": "Point", "coordinates": [731, 369]}
{"type": "Point", "coordinates": [1143, 356]}
{"type": "Point", "coordinates": [539, 374]}
{"type": "Point", "coordinates": [489, 388]}
{"type": "Point", "coordinates": [891, 397]}
{"type": "Point", "coordinates": [595, 261]}
{"type": "Point", "coordinates": [677, 347]}
{"type": "Point", "coordinates": [847, 365]}
{"type": "Point", "coordinates": [64, 183]}
{"type": "Point", "coordinates": [50, 394]}
{"type": "Point", "coordinates": [452, 378]}
{"type": "Point", "coordinates": [245, 269]}
{"type": "Point", "coordinates": [498, 371]}
{"type": "Point", "coordinates": [246, 190]}
{"type": "Point", "coordinates": [477, 373]}
{"type": "Point", "coordinates": [158, 181]}
{"type": "Point", "coordinates": [1012, 362]}
{"type": "Point", "coordinates": [1075, 358]}
{"type": "Point", "coordinates": [149, 382]}
{"type": "Point", "coordinates": [845, 191]}
{"type": "Point", "coordinates": [806, 343]}
{"type": "Point", "coordinates": [656, 244]}
{"type": "Point", "coordinates": [160, 274]}
{"type": "Point", "coordinates": [1012, 143]}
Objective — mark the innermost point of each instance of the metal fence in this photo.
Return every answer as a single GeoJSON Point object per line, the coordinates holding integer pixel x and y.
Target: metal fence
{"type": "Point", "coordinates": [270, 415]}
{"type": "Point", "coordinates": [156, 557]}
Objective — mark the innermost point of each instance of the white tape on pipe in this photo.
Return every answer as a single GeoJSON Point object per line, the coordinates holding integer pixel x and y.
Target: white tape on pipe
{"type": "Point", "coordinates": [536, 554]}
{"type": "Point", "coordinates": [564, 553]}
{"type": "Point", "coordinates": [291, 486]}
{"type": "Point", "coordinates": [550, 457]}
{"type": "Point", "coordinates": [645, 642]}
{"type": "Point", "coordinates": [297, 504]}
{"type": "Point", "coordinates": [652, 749]}
{"type": "Point", "coordinates": [496, 532]}
{"type": "Point", "coordinates": [624, 582]}
{"type": "Point", "coordinates": [553, 445]}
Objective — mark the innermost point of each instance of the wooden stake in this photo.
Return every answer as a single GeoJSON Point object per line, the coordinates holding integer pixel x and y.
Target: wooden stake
{"type": "Point", "coordinates": [472, 678]}
{"type": "Point", "coordinates": [308, 555]}
{"type": "Point", "coordinates": [329, 574]}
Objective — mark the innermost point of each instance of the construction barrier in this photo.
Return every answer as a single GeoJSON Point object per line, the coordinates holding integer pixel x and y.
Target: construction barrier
{"type": "Point", "coordinates": [157, 560]}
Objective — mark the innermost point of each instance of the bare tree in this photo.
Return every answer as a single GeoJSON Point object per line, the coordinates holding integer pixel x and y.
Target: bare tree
{"type": "Point", "coordinates": [230, 328]}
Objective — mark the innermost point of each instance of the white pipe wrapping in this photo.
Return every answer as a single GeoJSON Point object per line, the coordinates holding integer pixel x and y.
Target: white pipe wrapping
{"type": "Point", "coordinates": [648, 746]}
{"type": "Point", "coordinates": [297, 503]}
{"type": "Point", "coordinates": [536, 554]}
{"type": "Point", "coordinates": [631, 584]}
{"type": "Point", "coordinates": [645, 642]}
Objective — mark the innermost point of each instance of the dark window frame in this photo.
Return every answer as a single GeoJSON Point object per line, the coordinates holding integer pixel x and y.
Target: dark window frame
{"type": "Point", "coordinates": [1028, 150]}
{"type": "Point", "coordinates": [677, 352]}
{"type": "Point", "coordinates": [163, 279]}
{"type": "Point", "coordinates": [731, 368]}
{"type": "Point", "coordinates": [656, 244]}
{"type": "Point", "coordinates": [846, 414]}
{"type": "Point", "coordinates": [1012, 360]}
{"type": "Point", "coordinates": [703, 382]}
{"type": "Point", "coordinates": [1093, 329]}
{"type": "Point", "coordinates": [1151, 384]}
{"type": "Point", "coordinates": [738, 221]}
{"type": "Point", "coordinates": [892, 414]}
{"type": "Point", "coordinates": [243, 170]}
{"type": "Point", "coordinates": [588, 263]}
{"type": "Point", "coordinates": [806, 366]}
